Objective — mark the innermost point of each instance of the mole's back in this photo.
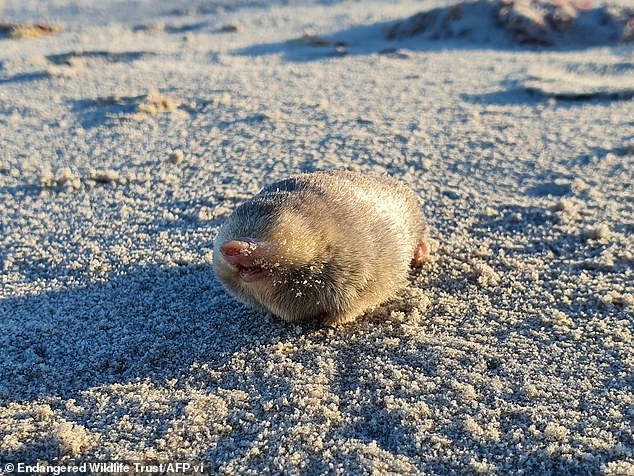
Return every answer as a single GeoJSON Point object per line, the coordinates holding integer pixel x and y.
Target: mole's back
{"type": "Point", "coordinates": [367, 196]}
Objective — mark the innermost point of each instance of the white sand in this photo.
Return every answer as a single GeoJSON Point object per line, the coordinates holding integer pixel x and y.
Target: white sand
{"type": "Point", "coordinates": [511, 353]}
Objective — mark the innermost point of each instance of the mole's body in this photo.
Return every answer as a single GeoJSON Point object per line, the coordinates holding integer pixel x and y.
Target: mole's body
{"type": "Point", "coordinates": [325, 245]}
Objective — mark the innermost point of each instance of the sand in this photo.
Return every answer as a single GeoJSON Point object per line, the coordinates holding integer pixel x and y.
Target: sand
{"type": "Point", "coordinates": [129, 135]}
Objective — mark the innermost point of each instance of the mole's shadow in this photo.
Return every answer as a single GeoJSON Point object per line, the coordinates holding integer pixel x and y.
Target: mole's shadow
{"type": "Point", "coordinates": [153, 322]}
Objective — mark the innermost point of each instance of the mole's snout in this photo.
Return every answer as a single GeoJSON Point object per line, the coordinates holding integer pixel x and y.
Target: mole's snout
{"type": "Point", "coordinates": [245, 256]}
{"type": "Point", "coordinates": [239, 252]}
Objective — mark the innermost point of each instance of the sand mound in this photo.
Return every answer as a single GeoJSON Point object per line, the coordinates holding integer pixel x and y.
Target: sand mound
{"type": "Point", "coordinates": [563, 23]}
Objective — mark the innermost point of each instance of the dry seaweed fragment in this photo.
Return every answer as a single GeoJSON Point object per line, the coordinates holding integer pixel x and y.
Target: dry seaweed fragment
{"type": "Point", "coordinates": [18, 31]}
{"type": "Point", "coordinates": [524, 22]}
{"type": "Point", "coordinates": [229, 28]}
{"type": "Point", "coordinates": [73, 57]}
{"type": "Point", "coordinates": [156, 102]}
{"type": "Point", "coordinates": [310, 38]}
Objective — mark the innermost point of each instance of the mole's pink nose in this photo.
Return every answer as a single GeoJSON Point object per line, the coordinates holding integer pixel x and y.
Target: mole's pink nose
{"type": "Point", "coordinates": [239, 252]}
{"type": "Point", "coordinates": [235, 247]}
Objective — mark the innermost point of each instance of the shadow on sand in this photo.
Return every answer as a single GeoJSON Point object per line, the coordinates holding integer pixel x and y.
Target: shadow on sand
{"type": "Point", "coordinates": [158, 323]}
{"type": "Point", "coordinates": [152, 322]}
{"type": "Point", "coordinates": [25, 77]}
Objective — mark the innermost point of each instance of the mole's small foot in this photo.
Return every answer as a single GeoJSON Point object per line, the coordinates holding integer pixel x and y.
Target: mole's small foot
{"type": "Point", "coordinates": [332, 321]}
{"type": "Point", "coordinates": [421, 254]}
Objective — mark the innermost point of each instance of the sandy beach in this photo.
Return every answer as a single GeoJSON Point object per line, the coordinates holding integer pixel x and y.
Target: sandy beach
{"type": "Point", "coordinates": [131, 130]}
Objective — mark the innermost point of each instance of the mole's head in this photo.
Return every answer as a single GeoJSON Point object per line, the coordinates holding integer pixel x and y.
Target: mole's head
{"type": "Point", "coordinates": [270, 256]}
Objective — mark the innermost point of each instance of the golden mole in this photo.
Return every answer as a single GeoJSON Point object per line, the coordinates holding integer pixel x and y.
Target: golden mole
{"type": "Point", "coordinates": [327, 246]}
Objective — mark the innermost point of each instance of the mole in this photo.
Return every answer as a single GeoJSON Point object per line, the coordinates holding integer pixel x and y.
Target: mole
{"type": "Point", "coordinates": [326, 246]}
